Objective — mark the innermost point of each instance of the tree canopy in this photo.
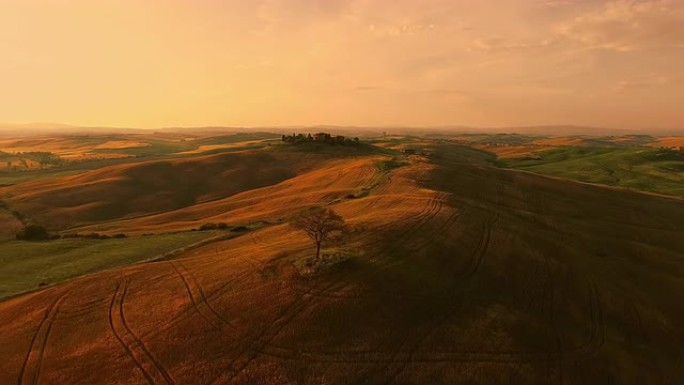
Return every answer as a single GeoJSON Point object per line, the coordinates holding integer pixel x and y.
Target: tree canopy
{"type": "Point", "coordinates": [318, 223]}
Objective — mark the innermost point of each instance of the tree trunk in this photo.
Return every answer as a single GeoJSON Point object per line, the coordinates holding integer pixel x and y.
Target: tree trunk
{"type": "Point", "coordinates": [318, 249]}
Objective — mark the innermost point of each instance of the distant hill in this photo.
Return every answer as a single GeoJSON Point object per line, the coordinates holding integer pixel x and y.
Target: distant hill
{"type": "Point", "coordinates": [364, 131]}
{"type": "Point", "coordinates": [51, 128]}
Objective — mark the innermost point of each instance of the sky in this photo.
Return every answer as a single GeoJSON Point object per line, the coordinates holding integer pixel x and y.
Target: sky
{"type": "Point", "coordinates": [160, 63]}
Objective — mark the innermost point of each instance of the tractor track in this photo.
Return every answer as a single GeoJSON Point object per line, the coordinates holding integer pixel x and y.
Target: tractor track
{"type": "Point", "coordinates": [153, 372]}
{"type": "Point", "coordinates": [429, 210]}
{"type": "Point", "coordinates": [478, 254]}
{"type": "Point", "coordinates": [187, 311]}
{"type": "Point", "coordinates": [262, 340]}
{"type": "Point", "coordinates": [418, 219]}
{"type": "Point", "coordinates": [199, 299]}
{"type": "Point", "coordinates": [255, 347]}
{"type": "Point", "coordinates": [547, 304]}
{"type": "Point", "coordinates": [416, 344]}
{"type": "Point", "coordinates": [32, 366]}
{"type": "Point", "coordinates": [558, 355]}
{"type": "Point", "coordinates": [597, 336]}
{"type": "Point", "coordinates": [448, 223]}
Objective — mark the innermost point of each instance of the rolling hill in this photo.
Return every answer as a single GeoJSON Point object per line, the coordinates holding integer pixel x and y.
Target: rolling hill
{"type": "Point", "coordinates": [455, 272]}
{"type": "Point", "coordinates": [148, 187]}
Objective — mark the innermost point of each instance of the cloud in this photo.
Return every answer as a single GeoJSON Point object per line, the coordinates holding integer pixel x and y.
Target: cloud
{"type": "Point", "coordinates": [561, 3]}
{"type": "Point", "coordinates": [293, 13]}
{"type": "Point", "coordinates": [628, 25]}
{"type": "Point", "coordinates": [368, 88]}
{"type": "Point", "coordinates": [497, 44]}
{"type": "Point", "coordinates": [401, 29]}
{"type": "Point", "coordinates": [642, 83]}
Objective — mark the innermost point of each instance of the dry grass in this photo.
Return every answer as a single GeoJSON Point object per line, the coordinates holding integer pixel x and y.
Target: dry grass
{"type": "Point", "coordinates": [321, 180]}
{"type": "Point", "coordinates": [71, 147]}
{"type": "Point", "coordinates": [212, 147]}
{"type": "Point", "coordinates": [669, 142]}
{"type": "Point", "coordinates": [145, 188]}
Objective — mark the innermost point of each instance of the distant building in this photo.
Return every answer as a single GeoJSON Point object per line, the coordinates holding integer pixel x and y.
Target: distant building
{"type": "Point", "coordinates": [321, 136]}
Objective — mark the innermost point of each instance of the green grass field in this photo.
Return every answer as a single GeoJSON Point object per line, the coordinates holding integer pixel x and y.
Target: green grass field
{"type": "Point", "coordinates": [26, 265]}
{"type": "Point", "coordinates": [646, 169]}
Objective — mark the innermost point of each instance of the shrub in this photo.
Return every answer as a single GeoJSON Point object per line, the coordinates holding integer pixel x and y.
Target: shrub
{"type": "Point", "coordinates": [208, 226]}
{"type": "Point", "coordinates": [326, 262]}
{"type": "Point", "coordinates": [120, 235]}
{"type": "Point", "coordinates": [33, 233]}
{"type": "Point", "coordinates": [222, 225]}
{"type": "Point", "coordinates": [239, 229]}
{"type": "Point", "coordinates": [390, 165]}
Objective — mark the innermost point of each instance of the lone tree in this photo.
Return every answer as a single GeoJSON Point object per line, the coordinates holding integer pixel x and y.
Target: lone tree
{"type": "Point", "coordinates": [318, 223]}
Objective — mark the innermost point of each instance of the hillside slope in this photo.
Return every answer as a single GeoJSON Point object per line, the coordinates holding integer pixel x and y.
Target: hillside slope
{"type": "Point", "coordinates": [459, 273]}
{"type": "Point", "coordinates": [330, 180]}
{"type": "Point", "coordinates": [149, 187]}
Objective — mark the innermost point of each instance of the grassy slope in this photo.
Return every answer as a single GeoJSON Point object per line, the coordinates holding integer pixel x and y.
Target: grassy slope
{"type": "Point", "coordinates": [639, 168]}
{"type": "Point", "coordinates": [24, 265]}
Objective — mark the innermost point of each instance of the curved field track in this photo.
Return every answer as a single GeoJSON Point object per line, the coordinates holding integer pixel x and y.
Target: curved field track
{"type": "Point", "coordinates": [154, 373]}
{"type": "Point", "coordinates": [460, 273]}
{"type": "Point", "coordinates": [30, 370]}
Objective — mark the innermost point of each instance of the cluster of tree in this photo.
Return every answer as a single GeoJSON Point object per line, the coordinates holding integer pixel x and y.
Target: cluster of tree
{"type": "Point", "coordinates": [321, 137]}
{"type": "Point", "coordinates": [220, 226]}
{"type": "Point", "coordinates": [43, 158]}
{"type": "Point", "coordinates": [213, 226]}
{"type": "Point", "coordinates": [93, 235]}
{"type": "Point", "coordinates": [33, 233]}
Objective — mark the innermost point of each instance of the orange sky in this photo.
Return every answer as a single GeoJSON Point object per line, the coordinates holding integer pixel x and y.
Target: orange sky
{"type": "Point", "coordinates": [153, 63]}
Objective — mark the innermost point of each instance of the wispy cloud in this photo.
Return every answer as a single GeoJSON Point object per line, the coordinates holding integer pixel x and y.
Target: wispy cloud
{"type": "Point", "coordinates": [642, 83]}
{"type": "Point", "coordinates": [368, 88]}
{"type": "Point", "coordinates": [628, 25]}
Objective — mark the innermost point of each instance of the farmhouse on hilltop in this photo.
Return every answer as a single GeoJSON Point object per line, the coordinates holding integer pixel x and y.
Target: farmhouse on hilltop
{"type": "Point", "coordinates": [320, 137]}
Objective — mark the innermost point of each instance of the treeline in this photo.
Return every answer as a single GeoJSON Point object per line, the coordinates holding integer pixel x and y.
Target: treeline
{"type": "Point", "coordinates": [220, 226]}
{"type": "Point", "coordinates": [321, 137]}
{"type": "Point", "coordinates": [33, 232]}
{"type": "Point", "coordinates": [665, 153]}
{"type": "Point", "coordinates": [43, 158]}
